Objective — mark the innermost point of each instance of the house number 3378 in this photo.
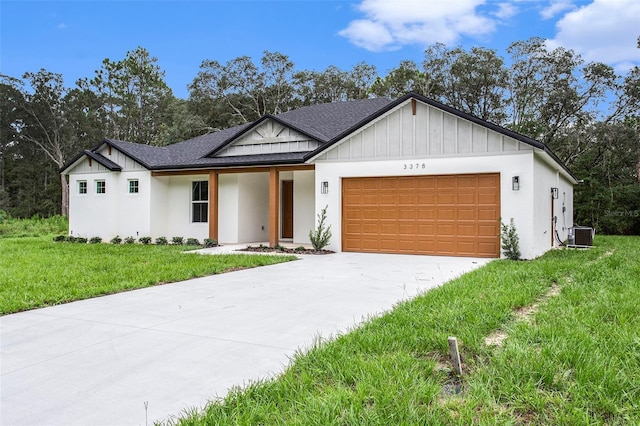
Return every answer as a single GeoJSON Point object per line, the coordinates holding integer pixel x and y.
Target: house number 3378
{"type": "Point", "coordinates": [412, 166]}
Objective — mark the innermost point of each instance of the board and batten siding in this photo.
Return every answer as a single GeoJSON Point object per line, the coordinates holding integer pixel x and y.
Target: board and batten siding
{"type": "Point", "coordinates": [127, 163]}
{"type": "Point", "coordinates": [269, 138]}
{"type": "Point", "coordinates": [429, 133]}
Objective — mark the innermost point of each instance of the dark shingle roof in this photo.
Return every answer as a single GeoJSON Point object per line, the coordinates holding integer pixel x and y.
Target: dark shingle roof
{"type": "Point", "coordinates": [325, 123]}
{"type": "Point", "coordinates": [103, 160]}
{"type": "Point", "coordinates": [320, 122]}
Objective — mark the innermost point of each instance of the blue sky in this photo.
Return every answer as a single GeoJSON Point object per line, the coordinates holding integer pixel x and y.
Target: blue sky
{"type": "Point", "coordinates": [73, 37]}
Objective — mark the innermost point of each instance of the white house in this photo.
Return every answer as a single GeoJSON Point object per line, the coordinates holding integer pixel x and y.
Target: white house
{"type": "Point", "coordinates": [404, 176]}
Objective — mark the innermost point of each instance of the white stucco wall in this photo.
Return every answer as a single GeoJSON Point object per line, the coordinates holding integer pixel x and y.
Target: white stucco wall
{"type": "Point", "coordinates": [548, 177]}
{"type": "Point", "coordinates": [116, 212]}
{"type": "Point", "coordinates": [303, 205]}
{"type": "Point", "coordinates": [178, 207]}
{"type": "Point", "coordinates": [159, 212]}
{"type": "Point", "coordinates": [228, 209]}
{"type": "Point", "coordinates": [516, 204]}
{"type": "Point", "coordinates": [253, 207]}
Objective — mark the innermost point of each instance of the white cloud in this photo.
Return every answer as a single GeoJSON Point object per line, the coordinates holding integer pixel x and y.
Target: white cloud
{"type": "Point", "coordinates": [556, 7]}
{"type": "Point", "coordinates": [388, 24]}
{"type": "Point", "coordinates": [506, 11]}
{"type": "Point", "coordinates": [604, 31]}
{"type": "Point", "coordinates": [62, 26]}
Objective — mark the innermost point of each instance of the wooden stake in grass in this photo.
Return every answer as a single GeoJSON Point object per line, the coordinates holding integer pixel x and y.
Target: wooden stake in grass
{"type": "Point", "coordinates": [455, 355]}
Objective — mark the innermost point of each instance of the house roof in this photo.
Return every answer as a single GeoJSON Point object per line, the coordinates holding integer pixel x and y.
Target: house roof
{"type": "Point", "coordinates": [327, 124]}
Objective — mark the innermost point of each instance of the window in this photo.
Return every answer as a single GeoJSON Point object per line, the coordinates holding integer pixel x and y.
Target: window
{"type": "Point", "coordinates": [133, 186]}
{"type": "Point", "coordinates": [199, 201]}
{"type": "Point", "coordinates": [82, 187]}
{"type": "Point", "coordinates": [101, 187]}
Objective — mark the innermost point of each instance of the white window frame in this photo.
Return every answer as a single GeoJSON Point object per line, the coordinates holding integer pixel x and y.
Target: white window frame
{"type": "Point", "coordinates": [104, 186]}
{"type": "Point", "coordinates": [130, 182]}
{"type": "Point", "coordinates": [199, 202]}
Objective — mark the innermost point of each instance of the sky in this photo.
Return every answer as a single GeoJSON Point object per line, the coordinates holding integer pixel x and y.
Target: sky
{"type": "Point", "coordinates": [74, 37]}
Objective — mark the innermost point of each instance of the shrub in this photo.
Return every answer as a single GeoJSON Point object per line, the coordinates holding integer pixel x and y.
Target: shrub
{"type": "Point", "coordinates": [95, 240]}
{"type": "Point", "coordinates": [177, 240]}
{"type": "Point", "coordinates": [161, 241]}
{"type": "Point", "coordinates": [4, 216]}
{"type": "Point", "coordinates": [59, 238]}
{"type": "Point", "coordinates": [81, 240]}
{"type": "Point", "coordinates": [116, 240]}
{"type": "Point", "coordinates": [145, 240]}
{"type": "Point", "coordinates": [300, 248]}
{"type": "Point", "coordinates": [71, 239]}
{"type": "Point", "coordinates": [210, 242]}
{"type": "Point", "coordinates": [321, 236]}
{"type": "Point", "coordinates": [193, 242]}
{"type": "Point", "coordinates": [510, 240]}
{"type": "Point", "coordinates": [279, 247]}
{"type": "Point", "coordinates": [129, 240]}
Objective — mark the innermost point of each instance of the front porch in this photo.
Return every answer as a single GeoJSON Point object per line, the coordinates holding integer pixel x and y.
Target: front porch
{"type": "Point", "coordinates": [271, 204]}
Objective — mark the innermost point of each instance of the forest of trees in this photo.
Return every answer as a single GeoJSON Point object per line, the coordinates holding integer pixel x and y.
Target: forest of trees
{"type": "Point", "coordinates": [587, 113]}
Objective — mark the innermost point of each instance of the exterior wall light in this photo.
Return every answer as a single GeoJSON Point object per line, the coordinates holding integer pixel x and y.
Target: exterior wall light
{"type": "Point", "coordinates": [554, 193]}
{"type": "Point", "coordinates": [515, 183]}
{"type": "Point", "coordinates": [324, 187]}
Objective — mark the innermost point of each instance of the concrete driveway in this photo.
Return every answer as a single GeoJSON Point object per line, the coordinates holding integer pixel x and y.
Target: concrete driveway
{"type": "Point", "coordinates": [102, 361]}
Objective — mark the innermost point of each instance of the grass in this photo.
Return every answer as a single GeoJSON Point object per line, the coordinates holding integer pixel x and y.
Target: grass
{"type": "Point", "coordinates": [34, 227]}
{"type": "Point", "coordinates": [36, 272]}
{"type": "Point", "coordinates": [575, 360]}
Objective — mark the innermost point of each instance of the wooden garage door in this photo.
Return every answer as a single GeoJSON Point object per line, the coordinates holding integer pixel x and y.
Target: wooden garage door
{"type": "Point", "coordinates": [449, 215]}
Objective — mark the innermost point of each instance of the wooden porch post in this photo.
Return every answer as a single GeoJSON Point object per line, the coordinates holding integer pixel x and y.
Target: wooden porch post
{"type": "Point", "coordinates": [213, 205]}
{"type": "Point", "coordinates": [274, 200]}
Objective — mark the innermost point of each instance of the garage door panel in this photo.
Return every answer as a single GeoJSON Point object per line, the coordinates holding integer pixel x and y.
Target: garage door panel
{"type": "Point", "coordinates": [455, 215]}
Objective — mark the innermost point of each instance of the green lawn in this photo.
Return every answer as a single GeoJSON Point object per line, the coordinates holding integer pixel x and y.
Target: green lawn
{"type": "Point", "coordinates": [36, 272]}
{"type": "Point", "coordinates": [573, 360]}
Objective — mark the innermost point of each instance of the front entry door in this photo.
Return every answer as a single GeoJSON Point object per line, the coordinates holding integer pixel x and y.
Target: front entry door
{"type": "Point", "coordinates": [287, 208]}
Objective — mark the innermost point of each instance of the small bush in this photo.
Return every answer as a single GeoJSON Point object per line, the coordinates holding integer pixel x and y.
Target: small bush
{"type": "Point", "coordinates": [210, 242]}
{"type": "Point", "coordinates": [177, 240]}
{"type": "Point", "coordinates": [300, 248]}
{"type": "Point", "coordinates": [95, 240]}
{"type": "Point", "coordinates": [162, 241]}
{"type": "Point", "coordinates": [4, 216]}
{"type": "Point", "coordinates": [145, 240]}
{"type": "Point", "coordinates": [193, 242]}
{"type": "Point", "coordinates": [279, 247]}
{"type": "Point", "coordinates": [321, 236]}
{"type": "Point", "coordinates": [71, 239]}
{"type": "Point", "coordinates": [60, 238]}
{"type": "Point", "coordinates": [116, 240]}
{"type": "Point", "coordinates": [81, 240]}
{"type": "Point", "coordinates": [129, 240]}
{"type": "Point", "coordinates": [510, 240]}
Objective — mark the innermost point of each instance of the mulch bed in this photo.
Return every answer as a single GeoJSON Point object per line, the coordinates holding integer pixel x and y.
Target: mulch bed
{"type": "Point", "coordinates": [265, 249]}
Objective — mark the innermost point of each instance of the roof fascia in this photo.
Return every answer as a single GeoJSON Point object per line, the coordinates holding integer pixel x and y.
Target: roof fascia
{"type": "Point", "coordinates": [252, 126]}
{"type": "Point", "coordinates": [226, 166]}
{"type": "Point", "coordinates": [101, 160]}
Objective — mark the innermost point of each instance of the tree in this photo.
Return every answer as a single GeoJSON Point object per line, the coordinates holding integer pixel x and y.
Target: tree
{"type": "Point", "coordinates": [406, 78]}
{"type": "Point", "coordinates": [549, 92]}
{"type": "Point", "coordinates": [334, 85]}
{"type": "Point", "coordinates": [471, 81]}
{"type": "Point", "coordinates": [248, 90]}
{"type": "Point", "coordinates": [44, 119]}
{"type": "Point", "coordinates": [134, 97]}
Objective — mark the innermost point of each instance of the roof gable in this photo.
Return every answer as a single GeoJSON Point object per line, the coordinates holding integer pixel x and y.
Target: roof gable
{"type": "Point", "coordinates": [415, 129]}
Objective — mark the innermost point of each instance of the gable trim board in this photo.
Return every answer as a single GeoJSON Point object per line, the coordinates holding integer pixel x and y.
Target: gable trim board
{"type": "Point", "coordinates": [413, 139]}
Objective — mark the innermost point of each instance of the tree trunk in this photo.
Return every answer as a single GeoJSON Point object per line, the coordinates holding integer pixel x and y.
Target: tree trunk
{"type": "Point", "coordinates": [64, 185]}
